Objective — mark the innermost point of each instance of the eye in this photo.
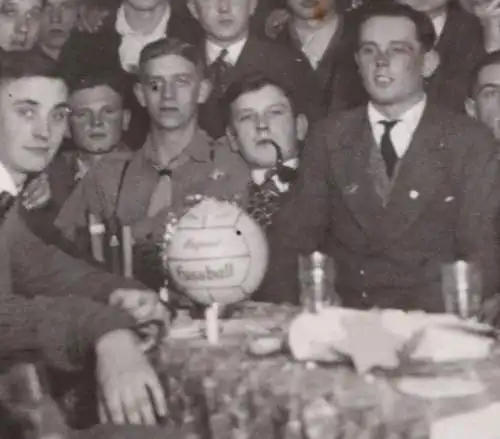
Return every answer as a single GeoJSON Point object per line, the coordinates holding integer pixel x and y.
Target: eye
{"type": "Point", "coordinates": [110, 111]}
{"type": "Point", "coordinates": [60, 114]}
{"type": "Point", "coordinates": [8, 12]}
{"type": "Point", "coordinates": [367, 50]}
{"type": "Point", "coordinates": [79, 114]}
{"type": "Point", "coordinates": [34, 14]}
{"type": "Point", "coordinates": [26, 112]}
{"type": "Point", "coordinates": [154, 85]}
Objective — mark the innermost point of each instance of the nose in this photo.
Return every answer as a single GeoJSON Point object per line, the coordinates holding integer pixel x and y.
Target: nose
{"type": "Point", "coordinates": [262, 123]}
{"type": "Point", "coordinates": [55, 15]}
{"type": "Point", "coordinates": [96, 120]}
{"type": "Point", "coordinates": [22, 25]}
{"type": "Point", "coordinates": [42, 129]}
{"type": "Point", "coordinates": [382, 59]}
{"type": "Point", "coordinates": [224, 5]}
{"type": "Point", "coordinates": [169, 91]}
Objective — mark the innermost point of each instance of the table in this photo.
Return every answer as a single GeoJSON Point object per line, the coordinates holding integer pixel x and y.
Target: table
{"type": "Point", "coordinates": [224, 392]}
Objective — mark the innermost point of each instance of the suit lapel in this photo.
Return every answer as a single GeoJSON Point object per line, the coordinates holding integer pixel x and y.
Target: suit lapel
{"type": "Point", "coordinates": [351, 166]}
{"type": "Point", "coordinates": [421, 171]}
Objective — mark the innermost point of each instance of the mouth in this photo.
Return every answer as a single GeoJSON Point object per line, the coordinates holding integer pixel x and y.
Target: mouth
{"type": "Point", "coordinates": [19, 44]}
{"type": "Point", "coordinates": [309, 4]}
{"type": "Point", "coordinates": [42, 151]}
{"type": "Point", "coordinates": [226, 22]}
{"type": "Point", "coordinates": [383, 81]}
{"type": "Point", "coordinates": [56, 32]}
{"type": "Point", "coordinates": [169, 110]}
{"type": "Point", "coordinates": [97, 136]}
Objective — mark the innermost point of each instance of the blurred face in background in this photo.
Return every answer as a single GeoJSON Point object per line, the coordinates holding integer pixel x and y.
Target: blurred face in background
{"type": "Point", "coordinates": [224, 21]}
{"type": "Point", "coordinates": [19, 24]}
{"type": "Point", "coordinates": [97, 119]}
{"type": "Point", "coordinates": [58, 20]}
{"type": "Point", "coordinates": [146, 5]}
{"type": "Point", "coordinates": [311, 9]}
{"type": "Point", "coordinates": [262, 117]}
{"type": "Point", "coordinates": [431, 7]}
{"type": "Point", "coordinates": [33, 120]}
{"type": "Point", "coordinates": [171, 88]}
{"type": "Point", "coordinates": [485, 105]}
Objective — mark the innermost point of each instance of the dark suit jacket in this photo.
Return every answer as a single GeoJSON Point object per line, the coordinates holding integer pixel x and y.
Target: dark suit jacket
{"type": "Point", "coordinates": [441, 209]}
{"type": "Point", "coordinates": [330, 74]}
{"type": "Point", "coordinates": [59, 313]}
{"type": "Point", "coordinates": [460, 48]}
{"type": "Point", "coordinates": [86, 52]}
{"type": "Point", "coordinates": [286, 65]}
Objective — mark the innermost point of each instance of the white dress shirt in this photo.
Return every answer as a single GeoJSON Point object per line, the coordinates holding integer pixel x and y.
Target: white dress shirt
{"type": "Point", "coordinates": [402, 133]}
{"type": "Point", "coordinates": [314, 44]}
{"type": "Point", "coordinates": [439, 23]}
{"type": "Point", "coordinates": [233, 51]}
{"type": "Point", "coordinates": [133, 42]}
{"type": "Point", "coordinates": [259, 175]}
{"type": "Point", "coordinates": [7, 182]}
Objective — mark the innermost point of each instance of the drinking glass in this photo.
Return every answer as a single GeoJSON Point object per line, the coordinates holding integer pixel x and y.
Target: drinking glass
{"type": "Point", "coordinates": [462, 288]}
{"type": "Point", "coordinates": [317, 281]}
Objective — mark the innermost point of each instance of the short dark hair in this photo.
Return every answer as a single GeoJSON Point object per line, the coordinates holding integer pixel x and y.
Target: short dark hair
{"type": "Point", "coordinates": [254, 82]}
{"type": "Point", "coordinates": [26, 64]}
{"type": "Point", "coordinates": [114, 79]}
{"type": "Point", "coordinates": [426, 33]}
{"type": "Point", "coordinates": [170, 46]}
{"type": "Point", "coordinates": [487, 60]}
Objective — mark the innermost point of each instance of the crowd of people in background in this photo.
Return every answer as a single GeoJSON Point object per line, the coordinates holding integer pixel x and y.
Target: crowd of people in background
{"type": "Point", "coordinates": [367, 130]}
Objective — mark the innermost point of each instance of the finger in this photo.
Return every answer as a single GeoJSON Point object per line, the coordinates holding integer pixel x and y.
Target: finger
{"type": "Point", "coordinates": [103, 414]}
{"type": "Point", "coordinates": [131, 401]}
{"type": "Point", "coordinates": [145, 405]}
{"type": "Point", "coordinates": [157, 395]}
{"type": "Point", "coordinates": [114, 405]}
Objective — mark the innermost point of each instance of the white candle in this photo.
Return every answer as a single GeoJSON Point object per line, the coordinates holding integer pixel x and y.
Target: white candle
{"type": "Point", "coordinates": [212, 323]}
{"type": "Point", "coordinates": [461, 268]}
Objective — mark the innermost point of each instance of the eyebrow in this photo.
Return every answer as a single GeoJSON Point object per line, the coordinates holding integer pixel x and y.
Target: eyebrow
{"type": "Point", "coordinates": [61, 105]}
{"type": "Point", "coordinates": [488, 85]}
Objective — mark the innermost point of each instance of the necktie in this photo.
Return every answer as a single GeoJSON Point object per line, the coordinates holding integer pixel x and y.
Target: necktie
{"type": "Point", "coordinates": [162, 195]}
{"type": "Point", "coordinates": [387, 147]}
{"type": "Point", "coordinates": [6, 201]}
{"type": "Point", "coordinates": [218, 72]}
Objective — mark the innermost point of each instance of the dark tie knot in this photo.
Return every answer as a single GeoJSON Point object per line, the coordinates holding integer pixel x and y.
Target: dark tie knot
{"type": "Point", "coordinates": [388, 124]}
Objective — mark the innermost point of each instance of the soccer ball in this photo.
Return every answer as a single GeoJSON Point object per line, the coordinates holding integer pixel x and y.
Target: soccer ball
{"type": "Point", "coordinates": [218, 254]}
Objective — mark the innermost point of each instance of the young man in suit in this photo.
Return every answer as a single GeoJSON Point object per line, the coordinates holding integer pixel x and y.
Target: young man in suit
{"type": "Point", "coordinates": [178, 159]}
{"type": "Point", "coordinates": [33, 98]}
{"type": "Point", "coordinates": [118, 43]}
{"type": "Point", "coordinates": [394, 189]}
{"type": "Point", "coordinates": [231, 52]}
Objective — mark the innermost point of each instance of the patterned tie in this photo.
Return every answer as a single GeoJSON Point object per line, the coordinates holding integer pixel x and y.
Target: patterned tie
{"type": "Point", "coordinates": [6, 201]}
{"type": "Point", "coordinates": [218, 72]}
{"type": "Point", "coordinates": [162, 195]}
{"type": "Point", "coordinates": [387, 147]}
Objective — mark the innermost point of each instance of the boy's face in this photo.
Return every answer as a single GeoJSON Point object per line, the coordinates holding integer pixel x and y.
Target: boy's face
{"type": "Point", "coordinates": [170, 90]}
{"type": "Point", "coordinates": [58, 20]}
{"type": "Point", "coordinates": [224, 20]}
{"type": "Point", "coordinates": [33, 120]}
{"type": "Point", "coordinates": [311, 9]}
{"type": "Point", "coordinates": [486, 103]}
{"type": "Point", "coordinates": [261, 117]}
{"type": "Point", "coordinates": [19, 23]}
{"type": "Point", "coordinates": [391, 60]}
{"type": "Point", "coordinates": [97, 119]}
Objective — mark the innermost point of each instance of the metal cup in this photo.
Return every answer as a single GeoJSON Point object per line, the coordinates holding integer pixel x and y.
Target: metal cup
{"type": "Point", "coordinates": [317, 281]}
{"type": "Point", "coordinates": [461, 284]}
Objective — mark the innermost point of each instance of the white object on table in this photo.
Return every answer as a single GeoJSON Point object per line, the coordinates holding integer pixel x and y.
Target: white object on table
{"type": "Point", "coordinates": [478, 424]}
{"type": "Point", "coordinates": [212, 323]}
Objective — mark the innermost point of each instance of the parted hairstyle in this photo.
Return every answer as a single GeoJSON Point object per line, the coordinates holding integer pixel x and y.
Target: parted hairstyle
{"type": "Point", "coordinates": [114, 79]}
{"type": "Point", "coordinates": [24, 64]}
{"type": "Point", "coordinates": [489, 59]}
{"type": "Point", "coordinates": [426, 33]}
{"type": "Point", "coordinates": [170, 46]}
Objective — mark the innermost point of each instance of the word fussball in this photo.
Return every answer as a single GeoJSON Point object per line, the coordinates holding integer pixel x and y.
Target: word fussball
{"type": "Point", "coordinates": [218, 254]}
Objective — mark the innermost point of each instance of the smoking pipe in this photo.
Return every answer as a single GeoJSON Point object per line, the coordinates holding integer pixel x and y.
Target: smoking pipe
{"type": "Point", "coordinates": [286, 174]}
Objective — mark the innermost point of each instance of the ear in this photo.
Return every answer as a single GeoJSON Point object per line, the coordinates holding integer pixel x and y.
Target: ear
{"type": "Point", "coordinates": [301, 127]}
{"type": "Point", "coordinates": [191, 4]}
{"type": "Point", "coordinates": [139, 94]}
{"type": "Point", "coordinates": [204, 90]}
{"type": "Point", "coordinates": [126, 119]}
{"type": "Point", "coordinates": [431, 63]}
{"type": "Point", "coordinates": [233, 141]}
{"type": "Point", "coordinates": [470, 107]}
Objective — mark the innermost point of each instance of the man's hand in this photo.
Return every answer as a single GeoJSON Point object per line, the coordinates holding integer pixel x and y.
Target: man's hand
{"type": "Point", "coordinates": [130, 390]}
{"type": "Point", "coordinates": [37, 193]}
{"type": "Point", "coordinates": [152, 316]}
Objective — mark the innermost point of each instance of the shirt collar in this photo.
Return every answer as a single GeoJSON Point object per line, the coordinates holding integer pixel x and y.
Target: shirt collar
{"type": "Point", "coordinates": [439, 22]}
{"type": "Point", "coordinates": [410, 118]}
{"type": "Point", "coordinates": [123, 28]}
{"type": "Point", "coordinates": [259, 175]}
{"type": "Point", "coordinates": [233, 51]}
{"type": "Point", "coordinates": [7, 182]}
{"type": "Point", "coordinates": [197, 150]}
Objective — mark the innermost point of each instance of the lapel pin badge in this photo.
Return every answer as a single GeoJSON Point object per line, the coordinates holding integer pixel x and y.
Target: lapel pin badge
{"type": "Point", "coordinates": [414, 194]}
